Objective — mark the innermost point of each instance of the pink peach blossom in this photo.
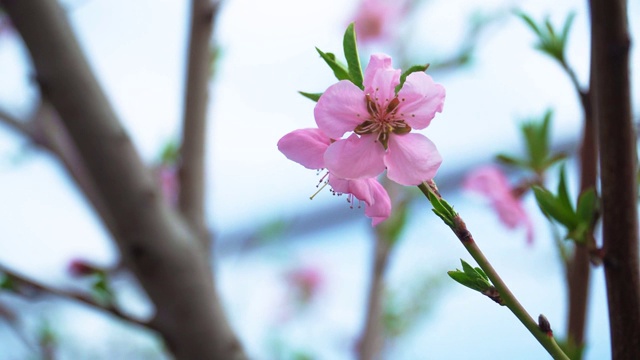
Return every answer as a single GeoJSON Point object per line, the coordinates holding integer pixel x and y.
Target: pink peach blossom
{"type": "Point", "coordinates": [308, 146]}
{"type": "Point", "coordinates": [377, 19]}
{"type": "Point", "coordinates": [381, 122]}
{"type": "Point", "coordinates": [491, 182]}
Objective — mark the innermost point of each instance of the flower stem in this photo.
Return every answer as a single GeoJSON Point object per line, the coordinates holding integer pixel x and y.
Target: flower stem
{"type": "Point", "coordinates": [508, 299]}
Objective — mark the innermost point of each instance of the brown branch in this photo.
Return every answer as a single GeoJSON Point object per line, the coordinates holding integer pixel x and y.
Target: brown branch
{"type": "Point", "coordinates": [17, 125]}
{"type": "Point", "coordinates": [45, 130]}
{"type": "Point", "coordinates": [29, 288]}
{"type": "Point", "coordinates": [154, 242]}
{"type": "Point", "coordinates": [192, 149]}
{"type": "Point", "coordinates": [610, 44]}
{"type": "Point", "coordinates": [578, 266]}
{"type": "Point", "coordinates": [372, 341]}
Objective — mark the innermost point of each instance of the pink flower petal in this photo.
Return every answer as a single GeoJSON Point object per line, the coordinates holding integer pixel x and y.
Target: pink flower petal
{"type": "Point", "coordinates": [369, 191]}
{"type": "Point", "coordinates": [306, 147]}
{"type": "Point", "coordinates": [491, 182]}
{"type": "Point", "coordinates": [420, 99]}
{"type": "Point", "coordinates": [488, 181]}
{"type": "Point", "coordinates": [355, 157]}
{"type": "Point", "coordinates": [340, 109]}
{"type": "Point", "coordinates": [411, 159]}
{"type": "Point", "coordinates": [381, 207]}
{"type": "Point", "coordinates": [376, 62]}
{"type": "Point", "coordinates": [383, 86]}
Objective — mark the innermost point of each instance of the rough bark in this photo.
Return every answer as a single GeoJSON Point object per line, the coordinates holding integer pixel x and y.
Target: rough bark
{"type": "Point", "coordinates": [155, 243]}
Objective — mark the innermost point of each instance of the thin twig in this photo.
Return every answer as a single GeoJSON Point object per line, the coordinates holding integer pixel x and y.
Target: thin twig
{"type": "Point", "coordinates": [505, 296]}
{"type": "Point", "coordinates": [28, 287]}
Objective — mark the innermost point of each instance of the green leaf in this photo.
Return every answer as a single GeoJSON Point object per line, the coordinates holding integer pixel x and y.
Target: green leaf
{"type": "Point", "coordinates": [511, 160]}
{"type": "Point", "coordinates": [338, 69]}
{"type": "Point", "coordinates": [552, 207]}
{"type": "Point", "coordinates": [313, 96]}
{"type": "Point", "coordinates": [587, 206]}
{"type": "Point", "coordinates": [442, 209]}
{"type": "Point", "coordinates": [563, 193]}
{"type": "Point", "coordinates": [473, 278]}
{"type": "Point", "coordinates": [351, 54]}
{"type": "Point", "coordinates": [551, 160]}
{"type": "Point", "coordinates": [409, 71]}
{"type": "Point", "coordinates": [530, 22]}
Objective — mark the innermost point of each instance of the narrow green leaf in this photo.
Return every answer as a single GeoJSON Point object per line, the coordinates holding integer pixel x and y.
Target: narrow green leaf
{"type": "Point", "coordinates": [530, 22]}
{"type": "Point", "coordinates": [313, 96]}
{"type": "Point", "coordinates": [443, 217]}
{"type": "Point", "coordinates": [549, 27]}
{"type": "Point", "coordinates": [551, 160]}
{"type": "Point", "coordinates": [482, 273]}
{"type": "Point", "coordinates": [468, 269]}
{"type": "Point", "coordinates": [563, 192]}
{"type": "Point", "coordinates": [510, 160]}
{"type": "Point", "coordinates": [339, 70]}
{"type": "Point", "coordinates": [587, 205]}
{"type": "Point", "coordinates": [551, 207]}
{"type": "Point", "coordinates": [351, 54]}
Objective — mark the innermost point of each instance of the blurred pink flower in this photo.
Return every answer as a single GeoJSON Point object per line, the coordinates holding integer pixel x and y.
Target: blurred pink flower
{"type": "Point", "coordinates": [381, 122]}
{"type": "Point", "coordinates": [491, 182]}
{"type": "Point", "coordinates": [167, 178]}
{"type": "Point", "coordinates": [305, 282]}
{"type": "Point", "coordinates": [377, 19]}
{"type": "Point", "coordinates": [308, 146]}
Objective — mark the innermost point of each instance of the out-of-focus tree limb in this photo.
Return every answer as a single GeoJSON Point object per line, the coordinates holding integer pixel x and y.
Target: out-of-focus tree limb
{"type": "Point", "coordinates": [27, 287]}
{"type": "Point", "coordinates": [154, 242]}
{"type": "Point", "coordinates": [194, 131]}
{"type": "Point", "coordinates": [46, 131]}
{"type": "Point", "coordinates": [610, 46]}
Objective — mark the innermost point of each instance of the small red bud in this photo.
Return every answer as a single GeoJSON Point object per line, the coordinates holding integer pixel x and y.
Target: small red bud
{"type": "Point", "coordinates": [80, 268]}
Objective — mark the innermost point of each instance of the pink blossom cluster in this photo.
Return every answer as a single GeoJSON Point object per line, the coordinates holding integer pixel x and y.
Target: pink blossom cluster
{"type": "Point", "coordinates": [377, 123]}
{"type": "Point", "coordinates": [378, 19]}
{"type": "Point", "coordinates": [491, 182]}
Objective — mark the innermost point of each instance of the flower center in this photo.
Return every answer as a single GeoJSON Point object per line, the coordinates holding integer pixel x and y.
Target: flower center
{"type": "Point", "coordinates": [383, 120]}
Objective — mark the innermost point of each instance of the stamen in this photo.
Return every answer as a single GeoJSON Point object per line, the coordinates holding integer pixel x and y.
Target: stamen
{"type": "Point", "coordinates": [317, 192]}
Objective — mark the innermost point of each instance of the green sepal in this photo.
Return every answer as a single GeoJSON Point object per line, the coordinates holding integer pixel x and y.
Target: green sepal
{"type": "Point", "coordinates": [409, 71]}
{"type": "Point", "coordinates": [350, 48]}
{"type": "Point", "coordinates": [473, 278]}
{"type": "Point", "coordinates": [339, 70]}
{"type": "Point", "coordinates": [313, 96]}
